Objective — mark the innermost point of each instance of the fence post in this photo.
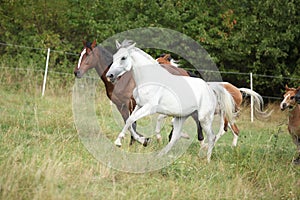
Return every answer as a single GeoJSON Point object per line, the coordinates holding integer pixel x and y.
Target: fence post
{"type": "Point", "coordinates": [251, 98]}
{"type": "Point", "coordinates": [46, 71]}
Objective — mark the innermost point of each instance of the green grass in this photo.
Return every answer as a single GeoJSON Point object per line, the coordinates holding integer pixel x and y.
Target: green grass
{"type": "Point", "coordinates": [42, 157]}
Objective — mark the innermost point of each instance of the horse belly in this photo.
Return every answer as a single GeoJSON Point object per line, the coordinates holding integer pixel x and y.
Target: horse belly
{"type": "Point", "coordinates": [206, 99]}
{"type": "Point", "coordinates": [175, 108]}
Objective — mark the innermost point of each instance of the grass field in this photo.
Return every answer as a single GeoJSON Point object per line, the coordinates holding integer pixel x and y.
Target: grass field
{"type": "Point", "coordinates": [42, 157]}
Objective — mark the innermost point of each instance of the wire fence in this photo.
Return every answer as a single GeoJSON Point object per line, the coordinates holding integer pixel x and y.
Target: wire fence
{"type": "Point", "coordinates": [47, 53]}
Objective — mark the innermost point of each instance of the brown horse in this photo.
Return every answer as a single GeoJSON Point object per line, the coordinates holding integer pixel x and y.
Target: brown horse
{"type": "Point", "coordinates": [289, 102]}
{"type": "Point", "coordinates": [236, 94]}
{"type": "Point", "coordinates": [120, 93]}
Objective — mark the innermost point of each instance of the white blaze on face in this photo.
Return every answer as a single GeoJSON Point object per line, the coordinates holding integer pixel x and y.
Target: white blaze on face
{"type": "Point", "coordinates": [80, 58]}
{"type": "Point", "coordinates": [284, 100]}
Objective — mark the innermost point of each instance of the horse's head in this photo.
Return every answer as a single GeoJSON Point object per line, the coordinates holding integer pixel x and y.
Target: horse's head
{"type": "Point", "coordinates": [289, 100]}
{"type": "Point", "coordinates": [86, 60]}
{"type": "Point", "coordinates": [122, 61]}
{"type": "Point", "coordinates": [164, 59]}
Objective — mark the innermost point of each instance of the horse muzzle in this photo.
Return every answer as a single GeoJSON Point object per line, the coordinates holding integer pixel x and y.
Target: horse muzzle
{"type": "Point", "coordinates": [77, 74]}
{"type": "Point", "coordinates": [111, 78]}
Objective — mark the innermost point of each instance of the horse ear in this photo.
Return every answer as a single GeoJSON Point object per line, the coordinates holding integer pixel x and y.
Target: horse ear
{"type": "Point", "coordinates": [84, 43]}
{"type": "Point", "coordinates": [94, 44]}
{"type": "Point", "coordinates": [131, 45]}
{"type": "Point", "coordinates": [118, 45]}
{"type": "Point", "coordinates": [298, 88]}
{"type": "Point", "coordinates": [286, 87]}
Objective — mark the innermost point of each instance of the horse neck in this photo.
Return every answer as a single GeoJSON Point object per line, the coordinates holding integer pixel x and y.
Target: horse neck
{"type": "Point", "coordinates": [295, 113]}
{"type": "Point", "coordinates": [140, 67]}
{"type": "Point", "coordinates": [102, 68]}
{"type": "Point", "coordinates": [109, 87]}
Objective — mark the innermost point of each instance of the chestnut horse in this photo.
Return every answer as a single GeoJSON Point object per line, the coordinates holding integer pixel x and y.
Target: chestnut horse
{"type": "Point", "coordinates": [236, 94]}
{"type": "Point", "coordinates": [289, 102]}
{"type": "Point", "coordinates": [297, 97]}
{"type": "Point", "coordinates": [120, 93]}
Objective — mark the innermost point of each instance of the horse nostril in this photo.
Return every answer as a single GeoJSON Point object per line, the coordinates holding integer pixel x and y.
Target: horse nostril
{"type": "Point", "coordinates": [284, 105]}
{"type": "Point", "coordinates": [77, 73]}
{"type": "Point", "coordinates": [110, 76]}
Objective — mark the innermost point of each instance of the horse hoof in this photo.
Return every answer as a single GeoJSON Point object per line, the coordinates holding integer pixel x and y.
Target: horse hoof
{"type": "Point", "coordinates": [158, 137]}
{"type": "Point", "coordinates": [185, 136]}
{"type": "Point", "coordinates": [296, 161]}
{"type": "Point", "coordinates": [118, 142]}
{"type": "Point", "coordinates": [146, 142]}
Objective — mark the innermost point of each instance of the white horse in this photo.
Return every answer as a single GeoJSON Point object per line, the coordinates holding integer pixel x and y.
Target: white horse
{"type": "Point", "coordinates": [157, 91]}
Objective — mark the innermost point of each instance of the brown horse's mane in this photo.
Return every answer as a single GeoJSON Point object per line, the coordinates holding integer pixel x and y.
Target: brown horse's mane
{"type": "Point", "coordinates": [107, 55]}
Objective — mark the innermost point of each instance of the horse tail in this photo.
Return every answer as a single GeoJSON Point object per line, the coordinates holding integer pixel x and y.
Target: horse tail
{"type": "Point", "coordinates": [225, 101]}
{"type": "Point", "coordinates": [258, 103]}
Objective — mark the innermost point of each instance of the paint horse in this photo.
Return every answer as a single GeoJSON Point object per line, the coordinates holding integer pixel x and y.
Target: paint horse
{"type": "Point", "coordinates": [289, 102]}
{"type": "Point", "coordinates": [236, 94]}
{"type": "Point", "coordinates": [157, 92]}
{"type": "Point", "coordinates": [120, 93]}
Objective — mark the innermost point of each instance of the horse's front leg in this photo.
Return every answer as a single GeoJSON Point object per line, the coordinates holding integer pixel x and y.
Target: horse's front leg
{"type": "Point", "coordinates": [297, 142]}
{"type": "Point", "coordinates": [138, 113]}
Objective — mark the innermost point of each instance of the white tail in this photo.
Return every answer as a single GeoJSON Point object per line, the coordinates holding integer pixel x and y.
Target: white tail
{"type": "Point", "coordinates": [258, 103]}
{"type": "Point", "coordinates": [225, 100]}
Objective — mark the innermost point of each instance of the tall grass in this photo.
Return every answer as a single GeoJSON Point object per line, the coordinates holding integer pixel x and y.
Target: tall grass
{"type": "Point", "coordinates": [41, 156]}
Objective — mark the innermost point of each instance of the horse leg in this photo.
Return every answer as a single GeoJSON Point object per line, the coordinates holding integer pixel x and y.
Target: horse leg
{"type": "Point", "coordinates": [225, 124]}
{"type": "Point", "coordinates": [134, 135]}
{"type": "Point", "coordinates": [138, 112]}
{"type": "Point", "coordinates": [235, 131]}
{"type": "Point", "coordinates": [199, 128]}
{"type": "Point", "coordinates": [183, 135]}
{"type": "Point", "coordinates": [297, 142]}
{"type": "Point", "coordinates": [207, 127]}
{"type": "Point", "coordinates": [177, 126]}
{"type": "Point", "coordinates": [221, 129]}
{"type": "Point", "coordinates": [160, 118]}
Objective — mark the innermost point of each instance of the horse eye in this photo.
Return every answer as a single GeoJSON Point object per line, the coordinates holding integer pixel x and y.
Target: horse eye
{"type": "Point", "coordinates": [292, 97]}
{"type": "Point", "coordinates": [123, 58]}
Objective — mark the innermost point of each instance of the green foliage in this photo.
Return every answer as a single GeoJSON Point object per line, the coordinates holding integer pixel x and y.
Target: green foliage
{"type": "Point", "coordinates": [244, 36]}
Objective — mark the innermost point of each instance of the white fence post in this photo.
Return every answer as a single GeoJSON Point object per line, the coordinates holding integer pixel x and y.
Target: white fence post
{"type": "Point", "coordinates": [46, 71]}
{"type": "Point", "coordinates": [251, 98]}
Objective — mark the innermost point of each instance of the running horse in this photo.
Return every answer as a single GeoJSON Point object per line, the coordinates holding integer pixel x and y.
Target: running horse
{"type": "Point", "coordinates": [289, 102]}
{"type": "Point", "coordinates": [236, 94]}
{"type": "Point", "coordinates": [120, 93]}
{"type": "Point", "coordinates": [156, 92]}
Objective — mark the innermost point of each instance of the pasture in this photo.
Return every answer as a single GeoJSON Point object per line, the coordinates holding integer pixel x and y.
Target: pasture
{"type": "Point", "coordinates": [42, 157]}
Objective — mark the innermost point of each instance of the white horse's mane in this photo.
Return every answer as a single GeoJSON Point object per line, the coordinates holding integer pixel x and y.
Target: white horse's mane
{"type": "Point", "coordinates": [127, 43]}
{"type": "Point", "coordinates": [150, 58]}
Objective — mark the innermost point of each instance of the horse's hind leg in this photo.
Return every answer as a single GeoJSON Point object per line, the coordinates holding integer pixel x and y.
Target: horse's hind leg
{"type": "Point", "coordinates": [207, 127]}
{"type": "Point", "coordinates": [221, 129]}
{"type": "Point", "coordinates": [199, 128]}
{"type": "Point", "coordinates": [235, 132]}
{"type": "Point", "coordinates": [177, 126]}
{"type": "Point", "coordinates": [160, 118]}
